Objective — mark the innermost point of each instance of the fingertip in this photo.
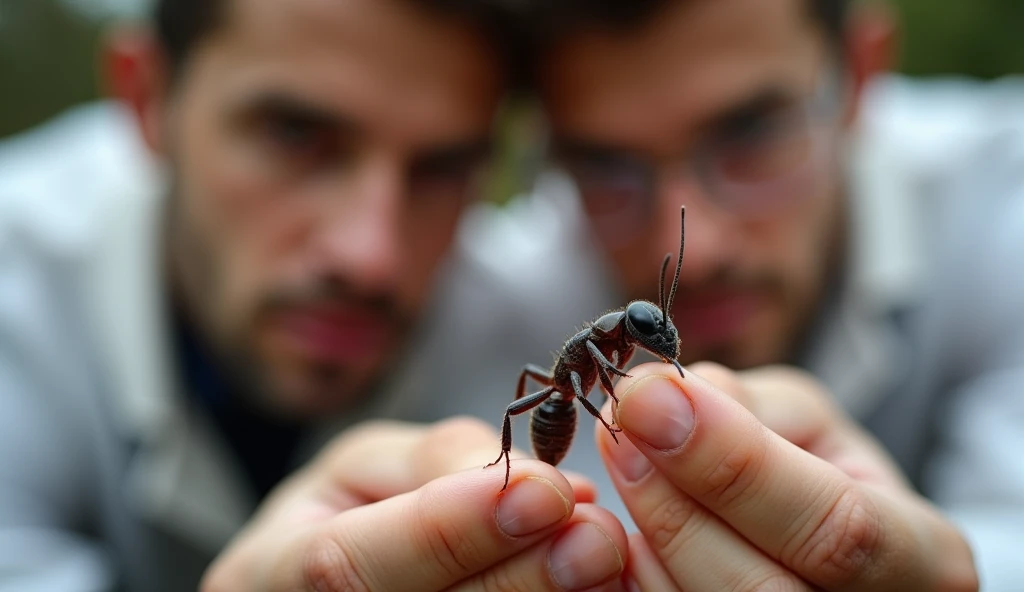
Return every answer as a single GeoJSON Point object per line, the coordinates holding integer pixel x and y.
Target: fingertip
{"type": "Point", "coordinates": [607, 522]}
{"type": "Point", "coordinates": [527, 468]}
{"type": "Point", "coordinates": [590, 552]}
{"type": "Point", "coordinates": [658, 411]}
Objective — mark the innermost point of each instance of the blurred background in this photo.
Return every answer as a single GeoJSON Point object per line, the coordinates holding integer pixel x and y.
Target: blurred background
{"type": "Point", "coordinates": [48, 54]}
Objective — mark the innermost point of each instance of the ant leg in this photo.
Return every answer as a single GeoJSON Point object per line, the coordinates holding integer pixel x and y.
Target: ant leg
{"type": "Point", "coordinates": [541, 375]}
{"type": "Point", "coordinates": [516, 408]}
{"type": "Point", "coordinates": [606, 384]}
{"type": "Point", "coordinates": [602, 362]}
{"type": "Point", "coordinates": [603, 366]}
{"type": "Point", "coordinates": [577, 385]}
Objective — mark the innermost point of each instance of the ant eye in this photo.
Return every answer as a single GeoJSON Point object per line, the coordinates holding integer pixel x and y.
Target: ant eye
{"type": "Point", "coordinates": [642, 319]}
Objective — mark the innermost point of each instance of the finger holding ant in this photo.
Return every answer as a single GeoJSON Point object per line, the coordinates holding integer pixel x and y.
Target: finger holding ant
{"type": "Point", "coordinates": [816, 520]}
{"type": "Point", "coordinates": [685, 546]}
{"type": "Point", "coordinates": [588, 553]}
{"type": "Point", "coordinates": [794, 405]}
{"type": "Point", "coordinates": [380, 459]}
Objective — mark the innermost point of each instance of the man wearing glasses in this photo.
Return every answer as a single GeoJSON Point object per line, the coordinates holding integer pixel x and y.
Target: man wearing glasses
{"type": "Point", "coordinates": [809, 242]}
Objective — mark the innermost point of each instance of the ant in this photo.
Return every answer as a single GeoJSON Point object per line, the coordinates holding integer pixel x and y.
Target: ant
{"type": "Point", "coordinates": [583, 361]}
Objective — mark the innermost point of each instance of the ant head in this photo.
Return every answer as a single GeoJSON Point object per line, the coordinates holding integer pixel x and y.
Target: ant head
{"type": "Point", "coordinates": [649, 329]}
{"type": "Point", "coordinates": [650, 326]}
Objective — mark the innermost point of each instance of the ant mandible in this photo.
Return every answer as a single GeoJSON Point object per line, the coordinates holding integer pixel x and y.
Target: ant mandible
{"type": "Point", "coordinates": [584, 360]}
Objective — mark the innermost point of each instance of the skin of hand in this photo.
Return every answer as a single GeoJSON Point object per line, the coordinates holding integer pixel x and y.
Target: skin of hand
{"type": "Point", "coordinates": [757, 481]}
{"type": "Point", "coordinates": [392, 506]}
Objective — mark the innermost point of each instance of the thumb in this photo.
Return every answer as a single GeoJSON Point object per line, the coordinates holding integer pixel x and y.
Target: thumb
{"type": "Point", "coordinates": [427, 539]}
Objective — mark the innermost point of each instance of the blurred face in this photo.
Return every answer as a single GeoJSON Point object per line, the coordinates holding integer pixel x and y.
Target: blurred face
{"type": "Point", "coordinates": [322, 152]}
{"type": "Point", "coordinates": [733, 109]}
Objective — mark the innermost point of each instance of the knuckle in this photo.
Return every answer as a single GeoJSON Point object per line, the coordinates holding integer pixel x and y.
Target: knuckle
{"type": "Point", "coordinates": [450, 549]}
{"type": "Point", "coordinates": [767, 581]}
{"type": "Point", "coordinates": [732, 480]}
{"type": "Point", "coordinates": [672, 524]}
{"type": "Point", "coordinates": [505, 580]}
{"type": "Point", "coordinates": [843, 545]}
{"type": "Point", "coordinates": [330, 566]}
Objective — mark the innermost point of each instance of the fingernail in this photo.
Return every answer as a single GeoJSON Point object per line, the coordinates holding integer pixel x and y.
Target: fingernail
{"type": "Point", "coordinates": [583, 557]}
{"type": "Point", "coordinates": [530, 505]}
{"type": "Point", "coordinates": [656, 411]}
{"type": "Point", "coordinates": [628, 459]}
{"type": "Point", "coordinates": [632, 585]}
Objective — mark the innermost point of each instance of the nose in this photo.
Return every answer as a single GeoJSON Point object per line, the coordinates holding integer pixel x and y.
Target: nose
{"type": "Point", "coordinates": [359, 236]}
{"type": "Point", "coordinates": [710, 233]}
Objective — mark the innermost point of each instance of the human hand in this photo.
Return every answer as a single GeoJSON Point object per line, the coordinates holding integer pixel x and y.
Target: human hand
{"type": "Point", "coordinates": [388, 506]}
{"type": "Point", "coordinates": [755, 481]}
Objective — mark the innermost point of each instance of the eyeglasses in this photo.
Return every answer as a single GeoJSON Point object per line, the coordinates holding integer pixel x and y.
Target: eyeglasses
{"type": "Point", "coordinates": [751, 165]}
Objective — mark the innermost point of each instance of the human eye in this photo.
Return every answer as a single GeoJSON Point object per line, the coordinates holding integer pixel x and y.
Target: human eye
{"type": "Point", "coordinates": [448, 172]}
{"type": "Point", "coordinates": [762, 145]}
{"type": "Point", "coordinates": [296, 137]}
{"type": "Point", "coordinates": [759, 128]}
{"type": "Point", "coordinates": [290, 137]}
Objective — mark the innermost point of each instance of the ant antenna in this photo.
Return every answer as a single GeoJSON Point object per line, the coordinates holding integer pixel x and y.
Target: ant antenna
{"type": "Point", "coordinates": [661, 287]}
{"type": "Point", "coordinates": [679, 262]}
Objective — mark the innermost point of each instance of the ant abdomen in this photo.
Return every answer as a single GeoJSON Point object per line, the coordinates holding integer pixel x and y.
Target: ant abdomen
{"type": "Point", "coordinates": [552, 426]}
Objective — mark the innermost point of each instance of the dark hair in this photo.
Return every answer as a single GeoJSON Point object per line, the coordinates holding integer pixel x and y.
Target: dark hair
{"type": "Point", "coordinates": [555, 19]}
{"type": "Point", "coordinates": [182, 24]}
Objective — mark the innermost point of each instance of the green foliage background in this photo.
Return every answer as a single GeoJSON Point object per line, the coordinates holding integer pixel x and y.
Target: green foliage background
{"type": "Point", "coordinates": [981, 38]}
{"type": "Point", "coordinates": [47, 51]}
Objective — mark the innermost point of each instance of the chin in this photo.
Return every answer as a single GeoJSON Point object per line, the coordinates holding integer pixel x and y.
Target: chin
{"type": "Point", "coordinates": [311, 395]}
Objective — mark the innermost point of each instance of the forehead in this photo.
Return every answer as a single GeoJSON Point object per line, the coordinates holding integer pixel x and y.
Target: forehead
{"type": "Point", "coordinates": [685, 64]}
{"type": "Point", "coordinates": [392, 55]}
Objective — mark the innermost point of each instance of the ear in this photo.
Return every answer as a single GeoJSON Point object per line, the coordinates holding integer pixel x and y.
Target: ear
{"type": "Point", "coordinates": [135, 72]}
{"type": "Point", "coordinates": [871, 48]}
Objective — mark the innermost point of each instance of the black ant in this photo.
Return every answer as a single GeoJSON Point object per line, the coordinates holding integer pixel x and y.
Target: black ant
{"type": "Point", "coordinates": [583, 361]}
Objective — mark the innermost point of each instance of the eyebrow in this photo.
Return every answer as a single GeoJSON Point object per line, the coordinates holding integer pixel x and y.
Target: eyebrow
{"type": "Point", "coordinates": [764, 100]}
{"type": "Point", "coordinates": [295, 108]}
{"type": "Point", "coordinates": [310, 113]}
{"type": "Point", "coordinates": [473, 150]}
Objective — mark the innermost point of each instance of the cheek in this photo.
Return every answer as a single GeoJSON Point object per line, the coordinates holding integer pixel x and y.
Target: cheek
{"type": "Point", "coordinates": [239, 214]}
{"type": "Point", "coordinates": [807, 240]}
{"type": "Point", "coordinates": [428, 239]}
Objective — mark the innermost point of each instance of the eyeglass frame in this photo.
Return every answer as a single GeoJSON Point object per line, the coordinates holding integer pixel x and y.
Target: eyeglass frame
{"type": "Point", "coordinates": [815, 110]}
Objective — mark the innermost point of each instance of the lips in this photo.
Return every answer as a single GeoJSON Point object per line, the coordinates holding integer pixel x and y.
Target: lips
{"type": "Point", "coordinates": [332, 335]}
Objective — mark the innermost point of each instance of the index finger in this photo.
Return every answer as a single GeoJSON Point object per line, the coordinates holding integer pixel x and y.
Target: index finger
{"type": "Point", "coordinates": [431, 538]}
{"type": "Point", "coordinates": [797, 508]}
{"type": "Point", "coordinates": [796, 406]}
{"type": "Point", "coordinates": [381, 459]}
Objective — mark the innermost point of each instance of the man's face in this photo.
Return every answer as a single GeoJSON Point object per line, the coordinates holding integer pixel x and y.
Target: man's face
{"type": "Point", "coordinates": [322, 152]}
{"type": "Point", "coordinates": [738, 89]}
